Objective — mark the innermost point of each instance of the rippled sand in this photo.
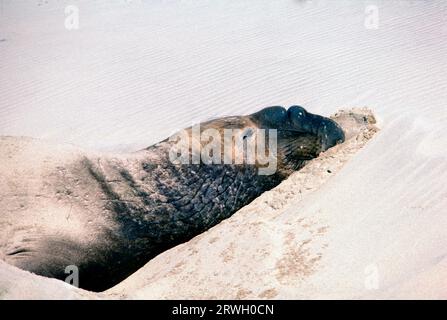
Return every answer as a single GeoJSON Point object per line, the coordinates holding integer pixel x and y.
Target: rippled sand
{"type": "Point", "coordinates": [134, 72]}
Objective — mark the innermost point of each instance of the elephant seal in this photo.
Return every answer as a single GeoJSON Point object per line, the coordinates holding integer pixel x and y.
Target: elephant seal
{"type": "Point", "coordinates": [108, 215]}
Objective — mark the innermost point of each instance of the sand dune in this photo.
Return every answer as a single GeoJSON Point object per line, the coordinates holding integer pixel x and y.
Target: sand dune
{"type": "Point", "coordinates": [134, 72]}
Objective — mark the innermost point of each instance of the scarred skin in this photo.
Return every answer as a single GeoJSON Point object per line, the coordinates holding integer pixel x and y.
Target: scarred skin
{"type": "Point", "coordinates": [109, 215]}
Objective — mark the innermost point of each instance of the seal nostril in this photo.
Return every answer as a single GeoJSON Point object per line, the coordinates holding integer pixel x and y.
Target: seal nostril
{"type": "Point", "coordinates": [330, 133]}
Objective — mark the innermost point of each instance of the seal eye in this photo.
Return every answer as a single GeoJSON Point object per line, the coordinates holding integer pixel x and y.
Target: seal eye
{"type": "Point", "coordinates": [247, 133]}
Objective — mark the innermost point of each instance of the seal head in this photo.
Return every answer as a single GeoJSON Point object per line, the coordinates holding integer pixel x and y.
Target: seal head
{"type": "Point", "coordinates": [323, 133]}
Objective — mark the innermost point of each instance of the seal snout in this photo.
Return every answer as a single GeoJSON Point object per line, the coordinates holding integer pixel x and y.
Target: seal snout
{"type": "Point", "coordinates": [330, 133]}
{"type": "Point", "coordinates": [297, 120]}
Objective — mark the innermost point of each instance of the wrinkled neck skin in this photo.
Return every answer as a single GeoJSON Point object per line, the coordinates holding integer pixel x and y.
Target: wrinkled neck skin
{"type": "Point", "coordinates": [161, 204]}
{"type": "Point", "coordinates": [155, 204]}
{"type": "Point", "coordinates": [146, 190]}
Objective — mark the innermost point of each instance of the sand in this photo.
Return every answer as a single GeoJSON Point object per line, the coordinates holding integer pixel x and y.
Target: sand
{"type": "Point", "coordinates": [134, 72]}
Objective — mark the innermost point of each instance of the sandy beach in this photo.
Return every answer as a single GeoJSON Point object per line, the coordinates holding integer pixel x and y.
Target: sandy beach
{"type": "Point", "coordinates": [123, 76]}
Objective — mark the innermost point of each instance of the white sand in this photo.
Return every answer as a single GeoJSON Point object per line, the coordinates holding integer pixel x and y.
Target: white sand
{"type": "Point", "coordinates": [136, 71]}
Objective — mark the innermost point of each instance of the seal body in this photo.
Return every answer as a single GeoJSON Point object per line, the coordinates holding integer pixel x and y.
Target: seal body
{"type": "Point", "coordinates": [107, 215]}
